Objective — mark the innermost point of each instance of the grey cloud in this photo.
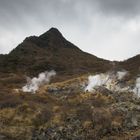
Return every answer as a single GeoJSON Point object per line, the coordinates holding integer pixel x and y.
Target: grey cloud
{"type": "Point", "coordinates": [23, 12]}
{"type": "Point", "coordinates": [93, 25]}
{"type": "Point", "coordinates": [126, 8]}
{"type": "Point", "coordinates": [65, 9]}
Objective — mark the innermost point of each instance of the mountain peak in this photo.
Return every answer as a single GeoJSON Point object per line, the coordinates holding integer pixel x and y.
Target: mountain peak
{"type": "Point", "coordinates": [54, 30]}
{"type": "Point", "coordinates": [51, 33]}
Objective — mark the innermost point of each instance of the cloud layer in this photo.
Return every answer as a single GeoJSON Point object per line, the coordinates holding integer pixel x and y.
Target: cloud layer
{"type": "Point", "coordinates": [107, 28]}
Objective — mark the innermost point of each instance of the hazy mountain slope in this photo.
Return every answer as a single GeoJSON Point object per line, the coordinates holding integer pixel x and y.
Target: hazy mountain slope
{"type": "Point", "coordinates": [132, 65]}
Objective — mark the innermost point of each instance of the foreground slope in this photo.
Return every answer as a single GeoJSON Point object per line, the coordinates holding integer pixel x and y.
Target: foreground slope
{"type": "Point", "coordinates": [63, 111]}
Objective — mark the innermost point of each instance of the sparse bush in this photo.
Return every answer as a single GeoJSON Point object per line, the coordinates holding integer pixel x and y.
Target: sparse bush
{"type": "Point", "coordinates": [42, 117]}
{"type": "Point", "coordinates": [102, 121]}
{"type": "Point", "coordinates": [100, 100]}
{"type": "Point", "coordinates": [9, 100]}
{"type": "Point", "coordinates": [24, 108]}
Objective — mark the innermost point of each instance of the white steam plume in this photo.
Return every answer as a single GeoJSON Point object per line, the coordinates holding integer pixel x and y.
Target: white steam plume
{"type": "Point", "coordinates": [97, 80]}
{"type": "Point", "coordinates": [137, 87]}
{"type": "Point", "coordinates": [110, 81]}
{"type": "Point", "coordinates": [34, 83]}
{"type": "Point", "coordinates": [121, 74]}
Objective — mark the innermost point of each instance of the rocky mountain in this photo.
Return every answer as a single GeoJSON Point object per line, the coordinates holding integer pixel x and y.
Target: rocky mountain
{"type": "Point", "coordinates": [64, 109]}
{"type": "Point", "coordinates": [51, 51]}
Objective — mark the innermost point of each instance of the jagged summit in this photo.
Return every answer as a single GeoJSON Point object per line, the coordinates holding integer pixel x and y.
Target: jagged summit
{"type": "Point", "coordinates": [52, 38]}
{"type": "Point", "coordinates": [52, 32]}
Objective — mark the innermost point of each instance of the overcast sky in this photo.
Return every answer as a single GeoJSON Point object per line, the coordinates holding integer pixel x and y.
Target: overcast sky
{"type": "Point", "coordinates": [109, 29]}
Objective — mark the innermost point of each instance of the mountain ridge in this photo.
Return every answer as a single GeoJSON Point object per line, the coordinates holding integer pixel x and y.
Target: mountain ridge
{"type": "Point", "coordinates": [51, 50]}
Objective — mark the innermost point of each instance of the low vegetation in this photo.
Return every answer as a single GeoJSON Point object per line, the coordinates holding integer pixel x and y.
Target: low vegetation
{"type": "Point", "coordinates": [68, 115]}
